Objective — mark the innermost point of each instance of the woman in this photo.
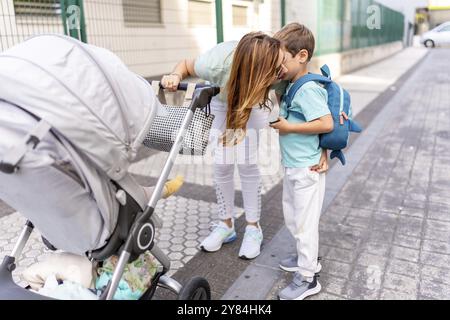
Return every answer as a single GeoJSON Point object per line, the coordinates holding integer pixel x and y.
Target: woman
{"type": "Point", "coordinates": [244, 71]}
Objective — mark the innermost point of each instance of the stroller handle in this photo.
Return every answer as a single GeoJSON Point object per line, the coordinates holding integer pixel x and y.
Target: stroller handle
{"type": "Point", "coordinates": [202, 95]}
{"type": "Point", "coordinates": [183, 86]}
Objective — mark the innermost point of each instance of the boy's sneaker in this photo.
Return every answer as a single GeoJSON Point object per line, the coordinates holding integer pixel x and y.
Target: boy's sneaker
{"type": "Point", "coordinates": [299, 288]}
{"type": "Point", "coordinates": [251, 245]}
{"type": "Point", "coordinates": [290, 264]}
{"type": "Point", "coordinates": [220, 235]}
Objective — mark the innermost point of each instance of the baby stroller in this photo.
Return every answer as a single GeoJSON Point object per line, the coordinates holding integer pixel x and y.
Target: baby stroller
{"type": "Point", "coordinates": [72, 120]}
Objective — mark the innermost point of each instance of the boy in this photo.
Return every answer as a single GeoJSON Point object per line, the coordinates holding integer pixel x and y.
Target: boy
{"type": "Point", "coordinates": [304, 161]}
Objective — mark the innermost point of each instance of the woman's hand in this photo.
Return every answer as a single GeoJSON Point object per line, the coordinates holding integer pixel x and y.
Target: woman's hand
{"type": "Point", "coordinates": [283, 126]}
{"type": "Point", "coordinates": [171, 82]}
{"type": "Point", "coordinates": [184, 69]}
{"type": "Point", "coordinates": [323, 163]}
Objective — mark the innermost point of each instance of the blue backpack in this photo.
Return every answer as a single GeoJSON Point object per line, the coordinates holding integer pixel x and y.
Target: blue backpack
{"type": "Point", "coordinates": [338, 102]}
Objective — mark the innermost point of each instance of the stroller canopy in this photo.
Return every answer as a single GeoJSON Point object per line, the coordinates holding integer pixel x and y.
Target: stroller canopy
{"type": "Point", "coordinates": [85, 93]}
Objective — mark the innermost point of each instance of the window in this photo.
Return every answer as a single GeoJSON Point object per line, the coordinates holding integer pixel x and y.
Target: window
{"type": "Point", "coordinates": [37, 7]}
{"type": "Point", "coordinates": [142, 12]}
{"type": "Point", "coordinates": [201, 12]}
{"type": "Point", "coordinates": [445, 29]}
{"type": "Point", "coordinates": [240, 15]}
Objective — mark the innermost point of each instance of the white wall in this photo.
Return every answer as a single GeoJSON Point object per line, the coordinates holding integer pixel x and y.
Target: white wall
{"type": "Point", "coordinates": [348, 61]}
{"type": "Point", "coordinates": [147, 50]}
{"type": "Point", "coordinates": [264, 17]}
{"type": "Point", "coordinates": [153, 51]}
{"type": "Point", "coordinates": [304, 12]}
{"type": "Point", "coordinates": [439, 3]}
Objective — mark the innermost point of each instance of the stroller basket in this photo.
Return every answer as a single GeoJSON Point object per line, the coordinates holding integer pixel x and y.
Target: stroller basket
{"type": "Point", "coordinates": [164, 129]}
{"type": "Point", "coordinates": [135, 230]}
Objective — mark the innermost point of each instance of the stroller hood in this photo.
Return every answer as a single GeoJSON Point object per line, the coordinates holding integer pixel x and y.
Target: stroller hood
{"type": "Point", "coordinates": [85, 93]}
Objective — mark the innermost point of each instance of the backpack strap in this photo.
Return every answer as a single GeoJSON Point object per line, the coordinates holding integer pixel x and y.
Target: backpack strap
{"type": "Point", "coordinates": [326, 71]}
{"type": "Point", "coordinates": [300, 82]}
{"type": "Point", "coordinates": [10, 162]}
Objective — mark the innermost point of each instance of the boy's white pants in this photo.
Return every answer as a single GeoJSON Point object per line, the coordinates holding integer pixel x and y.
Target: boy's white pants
{"type": "Point", "coordinates": [303, 194]}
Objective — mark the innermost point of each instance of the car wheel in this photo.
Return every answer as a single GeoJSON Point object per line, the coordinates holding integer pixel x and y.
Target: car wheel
{"type": "Point", "coordinates": [429, 44]}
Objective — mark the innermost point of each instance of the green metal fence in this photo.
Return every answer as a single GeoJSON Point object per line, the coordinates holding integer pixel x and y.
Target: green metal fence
{"type": "Point", "coordinates": [352, 24]}
{"type": "Point", "coordinates": [73, 19]}
{"type": "Point", "coordinates": [133, 28]}
{"type": "Point", "coordinates": [129, 28]}
{"type": "Point", "coordinates": [149, 36]}
{"type": "Point", "coordinates": [21, 19]}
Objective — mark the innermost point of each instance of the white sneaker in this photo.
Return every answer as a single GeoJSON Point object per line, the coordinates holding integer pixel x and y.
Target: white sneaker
{"type": "Point", "coordinates": [251, 245]}
{"type": "Point", "coordinates": [300, 288]}
{"type": "Point", "coordinates": [220, 235]}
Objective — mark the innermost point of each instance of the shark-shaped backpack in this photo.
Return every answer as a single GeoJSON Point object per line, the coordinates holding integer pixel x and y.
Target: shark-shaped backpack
{"type": "Point", "coordinates": [338, 102]}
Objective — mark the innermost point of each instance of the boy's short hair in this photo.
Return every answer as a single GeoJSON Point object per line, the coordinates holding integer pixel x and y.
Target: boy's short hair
{"type": "Point", "coordinates": [296, 37]}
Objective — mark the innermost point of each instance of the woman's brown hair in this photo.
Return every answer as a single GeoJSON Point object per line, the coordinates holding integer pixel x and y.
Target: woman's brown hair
{"type": "Point", "coordinates": [253, 71]}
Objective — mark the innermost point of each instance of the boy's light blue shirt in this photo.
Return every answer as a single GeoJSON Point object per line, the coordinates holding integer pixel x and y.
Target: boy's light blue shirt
{"type": "Point", "coordinates": [309, 103]}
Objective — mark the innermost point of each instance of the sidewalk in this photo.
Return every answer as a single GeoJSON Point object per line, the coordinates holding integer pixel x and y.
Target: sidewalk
{"type": "Point", "coordinates": [232, 278]}
{"type": "Point", "coordinates": [187, 216]}
{"type": "Point", "coordinates": [368, 83]}
{"type": "Point", "coordinates": [385, 233]}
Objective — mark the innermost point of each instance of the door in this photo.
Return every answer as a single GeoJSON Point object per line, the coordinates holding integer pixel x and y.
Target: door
{"type": "Point", "coordinates": [443, 35]}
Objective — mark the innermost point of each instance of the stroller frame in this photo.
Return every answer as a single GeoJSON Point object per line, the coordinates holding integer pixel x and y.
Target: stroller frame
{"type": "Point", "coordinates": [137, 228]}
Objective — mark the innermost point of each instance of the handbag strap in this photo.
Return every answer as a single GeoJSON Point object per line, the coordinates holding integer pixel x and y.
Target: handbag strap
{"type": "Point", "coordinates": [208, 110]}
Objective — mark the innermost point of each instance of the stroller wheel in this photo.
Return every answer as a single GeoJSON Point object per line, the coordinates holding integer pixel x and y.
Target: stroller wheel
{"type": "Point", "coordinates": [196, 288]}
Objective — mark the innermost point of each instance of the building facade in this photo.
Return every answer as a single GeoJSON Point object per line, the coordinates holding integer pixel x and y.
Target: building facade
{"type": "Point", "coordinates": [439, 12]}
{"type": "Point", "coordinates": [350, 33]}
{"type": "Point", "coordinates": [151, 36]}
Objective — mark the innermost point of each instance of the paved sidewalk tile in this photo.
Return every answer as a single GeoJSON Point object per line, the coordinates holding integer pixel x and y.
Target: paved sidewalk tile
{"type": "Point", "coordinates": [386, 233]}
{"type": "Point", "coordinates": [199, 170]}
{"type": "Point", "coordinates": [186, 223]}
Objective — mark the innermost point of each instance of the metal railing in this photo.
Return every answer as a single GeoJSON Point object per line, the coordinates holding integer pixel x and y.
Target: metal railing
{"type": "Point", "coordinates": [21, 19]}
{"type": "Point", "coordinates": [352, 24]}
{"type": "Point", "coordinates": [135, 30]}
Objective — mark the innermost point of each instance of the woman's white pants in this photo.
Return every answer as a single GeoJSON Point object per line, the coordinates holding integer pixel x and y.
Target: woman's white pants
{"type": "Point", "coordinates": [245, 155]}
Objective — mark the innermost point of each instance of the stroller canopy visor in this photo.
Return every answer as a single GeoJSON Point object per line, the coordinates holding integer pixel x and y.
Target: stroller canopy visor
{"type": "Point", "coordinates": [85, 93]}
